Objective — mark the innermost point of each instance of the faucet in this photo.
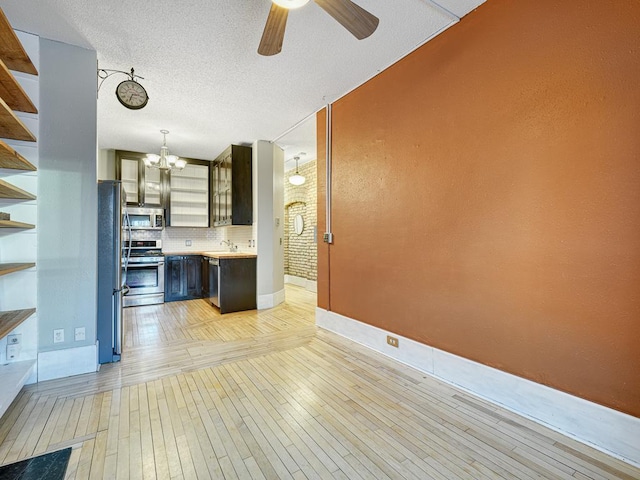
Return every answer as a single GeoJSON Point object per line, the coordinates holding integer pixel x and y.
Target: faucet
{"type": "Point", "coordinates": [229, 243]}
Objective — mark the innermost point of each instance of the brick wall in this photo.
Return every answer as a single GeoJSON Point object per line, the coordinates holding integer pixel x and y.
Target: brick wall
{"type": "Point", "coordinates": [300, 251]}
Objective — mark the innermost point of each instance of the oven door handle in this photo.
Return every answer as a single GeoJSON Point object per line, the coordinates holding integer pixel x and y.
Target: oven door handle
{"type": "Point", "coordinates": [143, 265]}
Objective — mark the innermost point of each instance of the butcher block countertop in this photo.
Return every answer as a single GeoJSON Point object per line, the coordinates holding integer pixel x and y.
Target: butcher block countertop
{"type": "Point", "coordinates": [216, 254]}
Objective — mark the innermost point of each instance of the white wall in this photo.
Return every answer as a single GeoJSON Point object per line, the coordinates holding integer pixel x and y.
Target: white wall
{"type": "Point", "coordinates": [268, 198]}
{"type": "Point", "coordinates": [67, 200]}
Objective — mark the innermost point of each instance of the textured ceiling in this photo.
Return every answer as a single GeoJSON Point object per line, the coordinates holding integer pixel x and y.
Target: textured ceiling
{"type": "Point", "coordinates": [206, 82]}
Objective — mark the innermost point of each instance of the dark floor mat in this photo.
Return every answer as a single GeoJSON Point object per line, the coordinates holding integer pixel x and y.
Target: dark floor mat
{"type": "Point", "coordinates": [51, 466]}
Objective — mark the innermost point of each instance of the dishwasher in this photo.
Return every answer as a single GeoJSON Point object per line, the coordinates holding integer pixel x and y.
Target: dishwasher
{"type": "Point", "coordinates": [214, 281]}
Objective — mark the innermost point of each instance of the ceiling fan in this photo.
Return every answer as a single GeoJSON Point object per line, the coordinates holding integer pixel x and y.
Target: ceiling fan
{"type": "Point", "coordinates": [356, 19]}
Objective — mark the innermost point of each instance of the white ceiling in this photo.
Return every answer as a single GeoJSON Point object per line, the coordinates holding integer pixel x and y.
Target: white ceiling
{"type": "Point", "coordinates": [206, 82]}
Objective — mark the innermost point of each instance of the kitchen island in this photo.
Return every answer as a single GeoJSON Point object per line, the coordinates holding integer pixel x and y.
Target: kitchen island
{"type": "Point", "coordinates": [226, 279]}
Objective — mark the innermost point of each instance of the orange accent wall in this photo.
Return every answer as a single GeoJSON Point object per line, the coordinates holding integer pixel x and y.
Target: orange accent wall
{"type": "Point", "coordinates": [486, 196]}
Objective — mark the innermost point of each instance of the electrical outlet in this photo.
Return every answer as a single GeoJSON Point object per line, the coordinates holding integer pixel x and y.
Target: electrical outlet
{"type": "Point", "coordinates": [58, 335]}
{"type": "Point", "coordinates": [393, 341]}
{"type": "Point", "coordinates": [79, 334]}
{"type": "Point", "coordinates": [327, 237]}
{"type": "Point", "coordinates": [13, 352]}
{"type": "Point", "coordinates": [14, 339]}
{"type": "Point", "coordinates": [187, 243]}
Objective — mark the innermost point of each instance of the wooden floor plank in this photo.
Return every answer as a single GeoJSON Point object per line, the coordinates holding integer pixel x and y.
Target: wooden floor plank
{"type": "Point", "coordinates": [265, 394]}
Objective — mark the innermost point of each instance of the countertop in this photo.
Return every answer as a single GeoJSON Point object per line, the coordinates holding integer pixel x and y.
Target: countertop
{"type": "Point", "coordinates": [216, 254]}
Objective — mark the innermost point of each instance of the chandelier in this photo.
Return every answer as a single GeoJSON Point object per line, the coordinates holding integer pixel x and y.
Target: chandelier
{"type": "Point", "coordinates": [164, 161]}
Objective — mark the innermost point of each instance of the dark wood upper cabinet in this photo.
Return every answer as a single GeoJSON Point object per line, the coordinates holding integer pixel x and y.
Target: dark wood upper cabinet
{"type": "Point", "coordinates": [232, 187]}
{"type": "Point", "coordinates": [145, 187]}
{"type": "Point", "coordinates": [184, 194]}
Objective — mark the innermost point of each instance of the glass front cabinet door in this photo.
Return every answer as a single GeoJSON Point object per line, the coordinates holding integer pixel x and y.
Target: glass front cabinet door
{"type": "Point", "coordinates": [144, 186]}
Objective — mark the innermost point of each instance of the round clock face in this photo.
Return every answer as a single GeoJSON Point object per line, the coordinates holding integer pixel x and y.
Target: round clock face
{"type": "Point", "coordinates": [132, 95]}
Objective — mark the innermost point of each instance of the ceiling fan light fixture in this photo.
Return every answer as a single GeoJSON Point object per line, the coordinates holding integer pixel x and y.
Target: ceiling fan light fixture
{"type": "Point", "coordinates": [290, 4]}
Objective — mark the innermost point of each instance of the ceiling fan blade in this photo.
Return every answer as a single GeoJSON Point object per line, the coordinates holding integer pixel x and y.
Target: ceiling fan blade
{"type": "Point", "coordinates": [356, 19]}
{"type": "Point", "coordinates": [273, 35]}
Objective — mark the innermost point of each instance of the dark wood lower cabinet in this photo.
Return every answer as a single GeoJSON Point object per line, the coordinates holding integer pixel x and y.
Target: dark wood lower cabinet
{"type": "Point", "coordinates": [205, 277]}
{"type": "Point", "coordinates": [183, 277]}
{"type": "Point", "coordinates": [193, 278]}
{"type": "Point", "coordinates": [188, 277]}
{"type": "Point", "coordinates": [237, 284]}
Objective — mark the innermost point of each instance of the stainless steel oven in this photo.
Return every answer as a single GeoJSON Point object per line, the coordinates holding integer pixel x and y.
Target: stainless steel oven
{"type": "Point", "coordinates": [145, 273]}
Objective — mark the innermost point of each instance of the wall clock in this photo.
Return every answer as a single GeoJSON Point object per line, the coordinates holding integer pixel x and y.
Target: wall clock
{"type": "Point", "coordinates": [132, 95]}
{"type": "Point", "coordinates": [128, 92]}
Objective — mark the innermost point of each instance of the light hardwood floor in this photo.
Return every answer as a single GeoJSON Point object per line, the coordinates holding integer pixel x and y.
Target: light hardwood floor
{"type": "Point", "coordinates": [267, 395]}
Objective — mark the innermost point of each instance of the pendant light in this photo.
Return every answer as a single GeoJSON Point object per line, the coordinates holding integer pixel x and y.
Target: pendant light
{"type": "Point", "coordinates": [164, 161]}
{"type": "Point", "coordinates": [297, 179]}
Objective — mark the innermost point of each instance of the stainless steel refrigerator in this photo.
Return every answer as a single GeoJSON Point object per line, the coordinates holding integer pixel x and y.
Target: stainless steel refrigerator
{"type": "Point", "coordinates": [112, 267]}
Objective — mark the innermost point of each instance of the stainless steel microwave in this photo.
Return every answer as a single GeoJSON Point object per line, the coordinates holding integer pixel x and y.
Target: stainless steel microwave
{"type": "Point", "coordinates": [145, 218]}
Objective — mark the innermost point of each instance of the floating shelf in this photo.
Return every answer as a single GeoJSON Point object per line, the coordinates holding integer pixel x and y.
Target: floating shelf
{"type": "Point", "coordinates": [7, 268]}
{"type": "Point", "coordinates": [12, 52]}
{"type": "Point", "coordinates": [10, 320]}
{"type": "Point", "coordinates": [9, 191]}
{"type": "Point", "coordinates": [12, 224]}
{"type": "Point", "coordinates": [9, 158]}
{"type": "Point", "coordinates": [12, 93]}
{"type": "Point", "coordinates": [11, 126]}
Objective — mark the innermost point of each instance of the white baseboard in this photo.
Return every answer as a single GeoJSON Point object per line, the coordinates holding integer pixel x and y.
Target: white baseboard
{"type": "Point", "coordinates": [310, 285]}
{"type": "Point", "coordinates": [606, 429]}
{"type": "Point", "coordinates": [67, 362]}
{"type": "Point", "coordinates": [270, 300]}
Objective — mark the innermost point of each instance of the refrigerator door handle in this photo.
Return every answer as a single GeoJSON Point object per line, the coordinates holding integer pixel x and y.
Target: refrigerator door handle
{"type": "Point", "coordinates": [117, 324]}
{"type": "Point", "coordinates": [127, 256]}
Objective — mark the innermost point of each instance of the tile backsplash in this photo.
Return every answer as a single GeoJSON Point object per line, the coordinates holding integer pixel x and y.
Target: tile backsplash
{"type": "Point", "coordinates": [202, 239]}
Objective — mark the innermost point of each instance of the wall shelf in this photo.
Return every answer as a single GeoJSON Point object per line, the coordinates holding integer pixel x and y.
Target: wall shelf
{"type": "Point", "coordinates": [13, 224]}
{"type": "Point", "coordinates": [11, 319]}
{"type": "Point", "coordinates": [9, 191]}
{"type": "Point", "coordinates": [11, 126]}
{"type": "Point", "coordinates": [12, 52]}
{"type": "Point", "coordinates": [9, 158]}
{"type": "Point", "coordinates": [12, 93]}
{"type": "Point", "coordinates": [7, 268]}
{"type": "Point", "coordinates": [13, 97]}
